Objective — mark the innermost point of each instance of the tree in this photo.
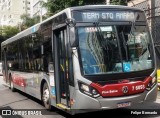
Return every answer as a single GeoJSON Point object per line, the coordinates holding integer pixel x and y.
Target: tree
{"type": "Point", "coordinates": [9, 31]}
{"type": "Point", "coordinates": [27, 21]}
{"type": "Point", "coordinates": [93, 2]}
{"type": "Point", "coordinates": [118, 2]}
{"type": "Point", "coordinates": [1, 39]}
{"type": "Point", "coordinates": [54, 6]}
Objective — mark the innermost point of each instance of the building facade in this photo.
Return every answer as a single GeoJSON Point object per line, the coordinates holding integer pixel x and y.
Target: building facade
{"type": "Point", "coordinates": [11, 10]}
{"type": "Point", "coordinates": [152, 10]}
{"type": "Point", "coordinates": [37, 9]}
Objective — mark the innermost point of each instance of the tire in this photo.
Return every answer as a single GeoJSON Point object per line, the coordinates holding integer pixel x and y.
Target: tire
{"type": "Point", "coordinates": [46, 97]}
{"type": "Point", "coordinates": [11, 84]}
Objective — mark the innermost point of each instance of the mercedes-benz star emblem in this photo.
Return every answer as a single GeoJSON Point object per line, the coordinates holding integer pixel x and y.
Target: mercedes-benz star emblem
{"type": "Point", "coordinates": [125, 89]}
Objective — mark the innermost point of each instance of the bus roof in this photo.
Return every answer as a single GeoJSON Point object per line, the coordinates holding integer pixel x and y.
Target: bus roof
{"type": "Point", "coordinates": [35, 27]}
{"type": "Point", "coordinates": [32, 29]}
{"type": "Point", "coordinates": [103, 6]}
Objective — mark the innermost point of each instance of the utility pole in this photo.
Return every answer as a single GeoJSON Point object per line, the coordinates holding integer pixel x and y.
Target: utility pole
{"type": "Point", "coordinates": [40, 10]}
{"type": "Point", "coordinates": [40, 15]}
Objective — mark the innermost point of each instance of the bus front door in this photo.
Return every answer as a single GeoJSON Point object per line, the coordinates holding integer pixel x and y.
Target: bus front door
{"type": "Point", "coordinates": [61, 67]}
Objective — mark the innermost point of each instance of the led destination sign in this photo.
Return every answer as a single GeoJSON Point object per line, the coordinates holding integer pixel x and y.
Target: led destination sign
{"type": "Point", "coordinates": [108, 15]}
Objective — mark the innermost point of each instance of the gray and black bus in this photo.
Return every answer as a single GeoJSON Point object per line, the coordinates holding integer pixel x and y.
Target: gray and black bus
{"type": "Point", "coordinates": [84, 58]}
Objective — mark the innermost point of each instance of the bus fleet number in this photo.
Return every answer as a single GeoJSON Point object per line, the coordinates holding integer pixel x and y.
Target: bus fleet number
{"type": "Point", "coordinates": [138, 87]}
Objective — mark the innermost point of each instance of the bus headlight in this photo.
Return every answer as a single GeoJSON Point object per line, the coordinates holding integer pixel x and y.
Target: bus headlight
{"type": "Point", "coordinates": [88, 90]}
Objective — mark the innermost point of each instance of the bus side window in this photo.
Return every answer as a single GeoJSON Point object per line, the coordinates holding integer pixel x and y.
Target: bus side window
{"type": "Point", "coordinates": [12, 56]}
{"type": "Point", "coordinates": [37, 58]}
{"type": "Point", "coordinates": [45, 63]}
{"type": "Point", "coordinates": [47, 56]}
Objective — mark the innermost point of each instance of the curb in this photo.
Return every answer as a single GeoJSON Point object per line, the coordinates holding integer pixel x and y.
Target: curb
{"type": "Point", "coordinates": [5, 85]}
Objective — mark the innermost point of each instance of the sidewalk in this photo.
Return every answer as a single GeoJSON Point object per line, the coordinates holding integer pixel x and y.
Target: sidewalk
{"type": "Point", "coordinates": [1, 80]}
{"type": "Point", "coordinates": [2, 83]}
{"type": "Point", "coordinates": [158, 97]}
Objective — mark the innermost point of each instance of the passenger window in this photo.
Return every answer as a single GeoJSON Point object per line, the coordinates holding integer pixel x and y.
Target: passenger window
{"type": "Point", "coordinates": [47, 56]}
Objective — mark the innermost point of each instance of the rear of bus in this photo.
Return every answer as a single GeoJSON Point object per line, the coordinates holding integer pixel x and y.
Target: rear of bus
{"type": "Point", "coordinates": [113, 58]}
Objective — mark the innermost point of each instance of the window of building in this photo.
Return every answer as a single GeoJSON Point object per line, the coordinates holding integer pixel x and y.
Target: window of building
{"type": "Point", "coordinates": [10, 16]}
{"type": "Point", "coordinates": [4, 17]}
{"type": "Point", "coordinates": [9, 4]}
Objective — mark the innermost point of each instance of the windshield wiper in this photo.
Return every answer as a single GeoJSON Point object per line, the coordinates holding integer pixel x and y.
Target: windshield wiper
{"type": "Point", "coordinates": [125, 45]}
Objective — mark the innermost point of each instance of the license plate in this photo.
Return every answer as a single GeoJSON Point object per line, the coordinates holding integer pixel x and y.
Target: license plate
{"type": "Point", "coordinates": [123, 104]}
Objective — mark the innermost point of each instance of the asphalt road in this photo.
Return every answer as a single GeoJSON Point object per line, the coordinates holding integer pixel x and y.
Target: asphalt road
{"type": "Point", "coordinates": [19, 101]}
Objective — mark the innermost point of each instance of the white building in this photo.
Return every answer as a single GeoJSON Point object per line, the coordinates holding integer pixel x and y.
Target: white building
{"type": "Point", "coordinates": [11, 10]}
{"type": "Point", "coordinates": [37, 9]}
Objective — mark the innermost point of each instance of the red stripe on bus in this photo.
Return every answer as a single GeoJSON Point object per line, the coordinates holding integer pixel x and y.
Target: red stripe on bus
{"type": "Point", "coordinates": [122, 89]}
{"type": "Point", "coordinates": [20, 81]}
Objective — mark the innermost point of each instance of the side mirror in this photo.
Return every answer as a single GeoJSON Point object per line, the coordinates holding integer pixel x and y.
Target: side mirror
{"type": "Point", "coordinates": [72, 37]}
{"type": "Point", "coordinates": [72, 32]}
{"type": "Point", "coordinates": [70, 22]}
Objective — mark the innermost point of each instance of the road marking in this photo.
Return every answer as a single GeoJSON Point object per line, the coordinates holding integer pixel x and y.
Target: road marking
{"type": "Point", "coordinates": [0, 116]}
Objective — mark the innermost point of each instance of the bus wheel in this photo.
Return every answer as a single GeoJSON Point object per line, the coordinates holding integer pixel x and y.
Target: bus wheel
{"type": "Point", "coordinates": [46, 97]}
{"type": "Point", "coordinates": [11, 85]}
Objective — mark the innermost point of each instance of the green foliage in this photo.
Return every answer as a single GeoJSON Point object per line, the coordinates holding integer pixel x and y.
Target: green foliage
{"type": "Point", "coordinates": [1, 39]}
{"type": "Point", "coordinates": [118, 2]}
{"type": "Point", "coordinates": [9, 31]}
{"type": "Point", "coordinates": [27, 21]}
{"type": "Point", "coordinates": [55, 6]}
{"type": "Point", "coordinates": [93, 2]}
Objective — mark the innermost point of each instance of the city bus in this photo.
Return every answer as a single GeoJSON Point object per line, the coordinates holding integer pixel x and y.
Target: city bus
{"type": "Point", "coordinates": [84, 58]}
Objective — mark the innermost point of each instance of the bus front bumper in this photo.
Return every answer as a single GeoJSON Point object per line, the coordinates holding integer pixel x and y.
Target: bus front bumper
{"type": "Point", "coordinates": [84, 102]}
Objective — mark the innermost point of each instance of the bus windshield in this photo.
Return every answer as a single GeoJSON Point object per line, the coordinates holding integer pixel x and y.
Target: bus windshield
{"type": "Point", "coordinates": [114, 49]}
